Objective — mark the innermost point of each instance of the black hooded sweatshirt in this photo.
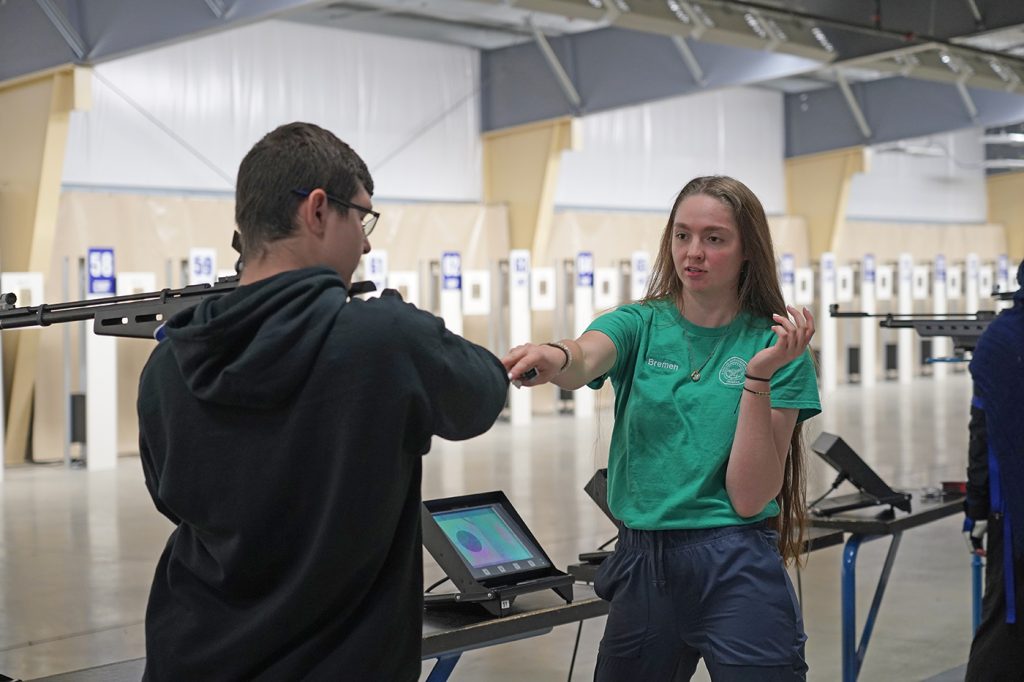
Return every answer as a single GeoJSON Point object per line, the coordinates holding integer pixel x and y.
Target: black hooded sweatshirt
{"type": "Point", "coordinates": [281, 428]}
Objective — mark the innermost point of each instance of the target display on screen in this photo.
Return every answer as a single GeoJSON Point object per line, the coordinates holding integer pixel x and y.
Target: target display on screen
{"type": "Point", "coordinates": [486, 540]}
{"type": "Point", "coordinates": [482, 537]}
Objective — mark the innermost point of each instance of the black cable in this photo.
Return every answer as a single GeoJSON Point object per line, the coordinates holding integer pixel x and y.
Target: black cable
{"type": "Point", "coordinates": [835, 484]}
{"type": "Point", "coordinates": [608, 542]}
{"type": "Point", "coordinates": [431, 588]}
{"type": "Point", "coordinates": [575, 648]}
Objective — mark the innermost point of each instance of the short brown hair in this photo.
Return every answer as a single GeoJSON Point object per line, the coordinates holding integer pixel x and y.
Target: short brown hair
{"type": "Point", "coordinates": [295, 156]}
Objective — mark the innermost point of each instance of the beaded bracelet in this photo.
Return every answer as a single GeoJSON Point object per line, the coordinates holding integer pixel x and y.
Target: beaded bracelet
{"type": "Point", "coordinates": [750, 390]}
{"type": "Point", "coordinates": [565, 349]}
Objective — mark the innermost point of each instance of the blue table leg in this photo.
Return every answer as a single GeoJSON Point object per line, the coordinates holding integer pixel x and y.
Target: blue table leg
{"type": "Point", "coordinates": [853, 656]}
{"type": "Point", "coordinates": [442, 670]}
{"type": "Point", "coordinates": [976, 566]}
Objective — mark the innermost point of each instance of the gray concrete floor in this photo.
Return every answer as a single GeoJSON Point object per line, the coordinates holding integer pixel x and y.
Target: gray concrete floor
{"type": "Point", "coordinates": [77, 549]}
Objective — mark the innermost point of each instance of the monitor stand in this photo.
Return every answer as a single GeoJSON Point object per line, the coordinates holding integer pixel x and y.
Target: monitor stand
{"type": "Point", "coordinates": [498, 600]}
{"type": "Point", "coordinates": [858, 500]}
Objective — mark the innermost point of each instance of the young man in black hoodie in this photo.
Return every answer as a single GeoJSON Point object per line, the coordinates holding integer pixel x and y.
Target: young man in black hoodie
{"type": "Point", "coordinates": [281, 429]}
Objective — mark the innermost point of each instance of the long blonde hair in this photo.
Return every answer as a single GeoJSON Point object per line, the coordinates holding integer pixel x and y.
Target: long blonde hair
{"type": "Point", "coordinates": [760, 296]}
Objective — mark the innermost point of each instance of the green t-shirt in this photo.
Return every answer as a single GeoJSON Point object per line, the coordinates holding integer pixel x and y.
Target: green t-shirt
{"type": "Point", "coordinates": [672, 436]}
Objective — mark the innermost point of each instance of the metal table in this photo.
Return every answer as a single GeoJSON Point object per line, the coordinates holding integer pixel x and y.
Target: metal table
{"type": "Point", "coordinates": [447, 633]}
{"type": "Point", "coordinates": [865, 525]}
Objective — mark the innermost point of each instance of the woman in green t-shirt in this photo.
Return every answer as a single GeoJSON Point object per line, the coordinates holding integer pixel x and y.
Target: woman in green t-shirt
{"type": "Point", "coordinates": [712, 380]}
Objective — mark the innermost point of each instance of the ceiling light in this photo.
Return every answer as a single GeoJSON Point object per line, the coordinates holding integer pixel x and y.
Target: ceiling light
{"type": "Point", "coordinates": [1005, 74]}
{"type": "Point", "coordinates": [622, 5]}
{"type": "Point", "coordinates": [954, 64]}
{"type": "Point", "coordinates": [822, 39]}
{"type": "Point", "coordinates": [596, 4]}
{"type": "Point", "coordinates": [675, 8]}
{"type": "Point", "coordinates": [755, 25]}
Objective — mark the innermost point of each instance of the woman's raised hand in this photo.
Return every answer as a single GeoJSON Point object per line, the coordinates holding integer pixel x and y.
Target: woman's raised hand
{"type": "Point", "coordinates": [792, 337]}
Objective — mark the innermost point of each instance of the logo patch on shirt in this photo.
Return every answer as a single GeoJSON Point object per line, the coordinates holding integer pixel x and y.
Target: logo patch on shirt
{"type": "Point", "coordinates": [733, 371]}
{"type": "Point", "coordinates": [662, 364]}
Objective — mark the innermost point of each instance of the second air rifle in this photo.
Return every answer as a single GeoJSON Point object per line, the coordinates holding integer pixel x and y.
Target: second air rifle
{"type": "Point", "coordinates": [963, 328]}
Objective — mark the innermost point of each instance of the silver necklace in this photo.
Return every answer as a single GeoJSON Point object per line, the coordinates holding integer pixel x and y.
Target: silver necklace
{"type": "Point", "coordinates": [695, 373]}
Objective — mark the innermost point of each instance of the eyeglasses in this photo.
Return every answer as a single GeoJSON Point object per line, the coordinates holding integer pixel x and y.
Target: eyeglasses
{"type": "Point", "coordinates": [369, 216]}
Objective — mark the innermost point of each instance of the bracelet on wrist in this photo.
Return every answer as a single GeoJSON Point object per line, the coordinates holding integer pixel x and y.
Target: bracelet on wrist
{"type": "Point", "coordinates": [750, 390]}
{"type": "Point", "coordinates": [565, 349]}
{"type": "Point", "coordinates": [751, 376]}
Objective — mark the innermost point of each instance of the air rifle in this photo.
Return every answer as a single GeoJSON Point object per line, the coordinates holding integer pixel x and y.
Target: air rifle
{"type": "Point", "coordinates": [136, 316]}
{"type": "Point", "coordinates": [963, 328]}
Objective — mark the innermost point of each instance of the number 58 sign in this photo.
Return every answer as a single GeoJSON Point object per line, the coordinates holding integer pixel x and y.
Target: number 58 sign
{"type": "Point", "coordinates": [100, 264]}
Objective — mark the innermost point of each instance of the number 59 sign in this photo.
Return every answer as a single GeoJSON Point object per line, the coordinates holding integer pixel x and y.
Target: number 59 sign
{"type": "Point", "coordinates": [202, 265]}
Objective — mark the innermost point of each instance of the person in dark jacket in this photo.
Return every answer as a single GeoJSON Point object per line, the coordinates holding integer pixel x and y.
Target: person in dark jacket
{"type": "Point", "coordinates": [281, 429]}
{"type": "Point", "coordinates": [995, 493]}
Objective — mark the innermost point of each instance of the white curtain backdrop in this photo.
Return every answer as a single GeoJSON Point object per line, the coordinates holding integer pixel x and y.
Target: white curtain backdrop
{"type": "Point", "coordinates": [181, 117]}
{"type": "Point", "coordinates": [641, 156]}
{"type": "Point", "coordinates": [939, 178]}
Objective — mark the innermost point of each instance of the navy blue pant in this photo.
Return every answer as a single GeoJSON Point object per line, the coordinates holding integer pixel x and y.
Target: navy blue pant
{"type": "Point", "coordinates": [679, 595]}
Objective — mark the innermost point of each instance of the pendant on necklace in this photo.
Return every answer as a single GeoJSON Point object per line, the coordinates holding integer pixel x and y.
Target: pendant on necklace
{"type": "Point", "coordinates": [695, 375]}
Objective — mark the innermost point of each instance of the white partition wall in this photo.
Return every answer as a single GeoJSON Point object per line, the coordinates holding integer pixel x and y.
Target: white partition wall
{"type": "Point", "coordinates": [868, 325]}
{"type": "Point", "coordinates": [803, 287]}
{"type": "Point", "coordinates": [583, 314]}
{"type": "Point", "coordinates": [829, 328]}
{"type": "Point", "coordinates": [376, 264]}
{"type": "Point", "coordinates": [451, 291]}
{"type": "Point", "coordinates": [940, 344]}
{"type": "Point", "coordinates": [640, 274]}
{"type": "Point", "coordinates": [986, 282]}
{"type": "Point", "coordinates": [520, 328]}
{"type": "Point", "coordinates": [787, 278]}
{"type": "Point", "coordinates": [542, 289]}
{"type": "Point", "coordinates": [607, 287]}
{"type": "Point", "coordinates": [476, 292]}
{"type": "Point", "coordinates": [906, 337]}
{"type": "Point", "coordinates": [973, 268]}
{"type": "Point", "coordinates": [1003, 279]}
{"type": "Point", "coordinates": [101, 372]}
{"type": "Point", "coordinates": [407, 284]}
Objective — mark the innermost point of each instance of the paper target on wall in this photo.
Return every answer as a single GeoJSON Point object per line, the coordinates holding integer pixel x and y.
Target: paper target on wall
{"type": "Point", "coordinates": [804, 280]}
{"type": "Point", "coordinates": [844, 284]}
{"type": "Point", "coordinates": [920, 288]}
{"type": "Point", "coordinates": [606, 288]}
{"type": "Point", "coordinates": [476, 292]}
{"type": "Point", "coordinates": [883, 282]}
{"type": "Point", "coordinates": [407, 284]}
{"type": "Point", "coordinates": [954, 282]}
{"type": "Point", "coordinates": [542, 289]}
{"type": "Point", "coordinates": [986, 280]}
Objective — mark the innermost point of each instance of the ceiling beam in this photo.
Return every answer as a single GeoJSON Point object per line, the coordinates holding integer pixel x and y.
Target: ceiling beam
{"type": "Point", "coordinates": [894, 109]}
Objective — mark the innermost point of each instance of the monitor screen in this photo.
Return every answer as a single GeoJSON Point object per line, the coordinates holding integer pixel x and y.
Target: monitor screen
{"type": "Point", "coordinates": [489, 542]}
